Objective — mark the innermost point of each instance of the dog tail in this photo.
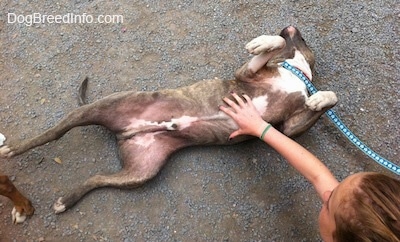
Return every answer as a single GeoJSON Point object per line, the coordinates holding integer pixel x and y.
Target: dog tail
{"type": "Point", "coordinates": [82, 92]}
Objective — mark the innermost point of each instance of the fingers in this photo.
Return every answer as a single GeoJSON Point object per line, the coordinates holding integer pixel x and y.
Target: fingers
{"type": "Point", "coordinates": [231, 103]}
{"type": "Point", "coordinates": [234, 134]}
{"type": "Point", "coordinates": [241, 109]}
{"type": "Point", "coordinates": [226, 110]}
{"type": "Point", "coordinates": [248, 99]}
{"type": "Point", "coordinates": [233, 115]}
{"type": "Point", "coordinates": [239, 101]}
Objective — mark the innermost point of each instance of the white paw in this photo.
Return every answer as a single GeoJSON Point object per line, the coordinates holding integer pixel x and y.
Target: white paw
{"type": "Point", "coordinates": [6, 152]}
{"type": "Point", "coordinates": [321, 99]}
{"type": "Point", "coordinates": [265, 43]}
{"type": "Point", "coordinates": [17, 217]}
{"type": "Point", "coordinates": [59, 206]}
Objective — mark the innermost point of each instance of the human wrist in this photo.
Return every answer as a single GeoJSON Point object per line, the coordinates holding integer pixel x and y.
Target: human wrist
{"type": "Point", "coordinates": [262, 130]}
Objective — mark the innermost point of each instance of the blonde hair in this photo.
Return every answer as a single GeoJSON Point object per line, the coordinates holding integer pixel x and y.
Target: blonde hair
{"type": "Point", "coordinates": [372, 213]}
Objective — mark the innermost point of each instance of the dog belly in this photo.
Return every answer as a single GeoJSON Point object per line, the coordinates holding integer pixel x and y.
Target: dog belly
{"type": "Point", "coordinates": [148, 126]}
{"type": "Point", "coordinates": [195, 130]}
{"type": "Point", "coordinates": [192, 113]}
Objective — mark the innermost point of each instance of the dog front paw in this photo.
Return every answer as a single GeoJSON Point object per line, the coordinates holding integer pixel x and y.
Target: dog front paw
{"type": "Point", "coordinates": [59, 206]}
{"type": "Point", "coordinates": [265, 43]}
{"type": "Point", "coordinates": [321, 100]}
{"type": "Point", "coordinates": [21, 210]}
{"type": "Point", "coordinates": [17, 217]}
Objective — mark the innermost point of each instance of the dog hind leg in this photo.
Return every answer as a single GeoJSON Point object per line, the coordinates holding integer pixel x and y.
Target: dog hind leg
{"type": "Point", "coordinates": [122, 179]}
{"type": "Point", "coordinates": [300, 122]}
{"type": "Point", "coordinates": [316, 105]}
{"type": "Point", "coordinates": [78, 117]}
{"type": "Point", "coordinates": [140, 164]}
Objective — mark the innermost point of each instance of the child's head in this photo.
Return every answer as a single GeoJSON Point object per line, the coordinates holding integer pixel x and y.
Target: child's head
{"type": "Point", "coordinates": [363, 207]}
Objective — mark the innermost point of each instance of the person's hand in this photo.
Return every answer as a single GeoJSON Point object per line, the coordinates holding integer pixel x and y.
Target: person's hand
{"type": "Point", "coordinates": [245, 114]}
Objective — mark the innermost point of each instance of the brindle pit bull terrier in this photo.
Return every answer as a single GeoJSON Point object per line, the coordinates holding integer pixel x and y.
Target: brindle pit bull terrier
{"type": "Point", "coordinates": [22, 206]}
{"type": "Point", "coordinates": [150, 126]}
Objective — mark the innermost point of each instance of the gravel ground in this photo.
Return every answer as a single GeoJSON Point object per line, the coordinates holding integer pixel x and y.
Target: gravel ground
{"type": "Point", "coordinates": [242, 193]}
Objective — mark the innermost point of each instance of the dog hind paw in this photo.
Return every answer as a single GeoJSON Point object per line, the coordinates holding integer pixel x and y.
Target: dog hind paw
{"type": "Point", "coordinates": [6, 152]}
{"type": "Point", "coordinates": [59, 206]}
{"type": "Point", "coordinates": [17, 217]}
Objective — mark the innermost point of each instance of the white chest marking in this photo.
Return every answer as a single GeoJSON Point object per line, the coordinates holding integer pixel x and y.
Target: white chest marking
{"type": "Point", "coordinates": [300, 62]}
{"type": "Point", "coordinates": [289, 83]}
{"type": "Point", "coordinates": [260, 103]}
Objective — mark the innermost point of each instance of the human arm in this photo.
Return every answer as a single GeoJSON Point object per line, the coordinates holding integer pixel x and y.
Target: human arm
{"type": "Point", "coordinates": [250, 123]}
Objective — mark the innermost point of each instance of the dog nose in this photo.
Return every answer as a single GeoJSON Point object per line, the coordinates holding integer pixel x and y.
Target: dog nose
{"type": "Point", "coordinates": [291, 30]}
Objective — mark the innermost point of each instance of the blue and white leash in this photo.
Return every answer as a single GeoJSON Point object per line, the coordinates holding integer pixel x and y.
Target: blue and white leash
{"type": "Point", "coordinates": [340, 125]}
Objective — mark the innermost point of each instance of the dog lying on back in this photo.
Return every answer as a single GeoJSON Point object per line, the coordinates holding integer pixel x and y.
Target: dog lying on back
{"type": "Point", "coordinates": [150, 126]}
{"type": "Point", "coordinates": [22, 206]}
